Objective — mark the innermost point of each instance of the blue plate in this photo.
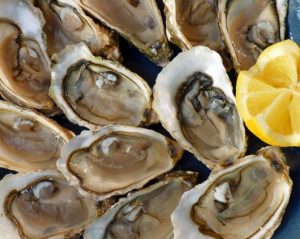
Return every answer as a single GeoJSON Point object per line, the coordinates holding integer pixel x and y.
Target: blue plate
{"type": "Point", "coordinates": [136, 62]}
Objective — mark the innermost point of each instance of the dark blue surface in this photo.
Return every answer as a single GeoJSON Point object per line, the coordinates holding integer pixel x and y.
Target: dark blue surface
{"type": "Point", "coordinates": [290, 227]}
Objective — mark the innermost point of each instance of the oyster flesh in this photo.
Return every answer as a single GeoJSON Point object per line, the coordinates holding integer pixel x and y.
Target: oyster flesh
{"type": "Point", "coordinates": [116, 160]}
{"type": "Point", "coordinates": [28, 140]}
{"type": "Point", "coordinates": [93, 92]}
{"type": "Point", "coordinates": [249, 26]}
{"type": "Point", "coordinates": [25, 72]}
{"type": "Point", "coordinates": [145, 213]}
{"type": "Point", "coordinates": [245, 200]}
{"type": "Point", "coordinates": [67, 24]}
{"type": "Point", "coordinates": [192, 23]}
{"type": "Point", "coordinates": [138, 21]}
{"type": "Point", "coordinates": [42, 205]}
{"type": "Point", "coordinates": [194, 101]}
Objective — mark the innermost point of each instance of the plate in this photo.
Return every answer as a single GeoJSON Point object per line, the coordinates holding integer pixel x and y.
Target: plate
{"type": "Point", "coordinates": [136, 62]}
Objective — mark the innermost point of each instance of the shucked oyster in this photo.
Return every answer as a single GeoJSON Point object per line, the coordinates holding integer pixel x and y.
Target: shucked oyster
{"type": "Point", "coordinates": [194, 101]}
{"type": "Point", "coordinates": [116, 160]}
{"type": "Point", "coordinates": [145, 213]}
{"type": "Point", "coordinates": [28, 140]}
{"type": "Point", "coordinates": [249, 26]}
{"type": "Point", "coordinates": [138, 21]}
{"type": "Point", "coordinates": [94, 92]}
{"type": "Point", "coordinates": [25, 73]}
{"type": "Point", "coordinates": [67, 24]}
{"type": "Point", "coordinates": [246, 200]}
{"type": "Point", "coordinates": [42, 205]}
{"type": "Point", "coordinates": [192, 23]}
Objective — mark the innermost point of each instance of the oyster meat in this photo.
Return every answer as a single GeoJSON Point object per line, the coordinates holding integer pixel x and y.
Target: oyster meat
{"type": "Point", "coordinates": [249, 26]}
{"type": "Point", "coordinates": [246, 200]}
{"type": "Point", "coordinates": [138, 21]}
{"type": "Point", "coordinates": [116, 160]}
{"type": "Point", "coordinates": [192, 23]}
{"type": "Point", "coordinates": [93, 92]}
{"type": "Point", "coordinates": [25, 72]}
{"type": "Point", "coordinates": [67, 24]}
{"type": "Point", "coordinates": [42, 205]}
{"type": "Point", "coordinates": [28, 140]}
{"type": "Point", "coordinates": [145, 213]}
{"type": "Point", "coordinates": [194, 101]}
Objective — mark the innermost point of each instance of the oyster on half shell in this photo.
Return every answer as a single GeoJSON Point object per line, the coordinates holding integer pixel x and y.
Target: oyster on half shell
{"type": "Point", "coordinates": [249, 26]}
{"type": "Point", "coordinates": [93, 92]}
{"type": "Point", "coordinates": [145, 213]}
{"type": "Point", "coordinates": [245, 200]}
{"type": "Point", "coordinates": [42, 205]}
{"type": "Point", "coordinates": [116, 160]}
{"type": "Point", "coordinates": [194, 101]}
{"type": "Point", "coordinates": [138, 21]}
{"type": "Point", "coordinates": [67, 24]}
{"type": "Point", "coordinates": [25, 72]}
{"type": "Point", "coordinates": [28, 140]}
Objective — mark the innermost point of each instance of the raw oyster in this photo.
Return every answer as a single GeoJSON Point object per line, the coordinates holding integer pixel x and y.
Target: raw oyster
{"type": "Point", "coordinates": [138, 21]}
{"type": "Point", "coordinates": [94, 92]}
{"type": "Point", "coordinates": [116, 160]}
{"type": "Point", "coordinates": [145, 213]}
{"type": "Point", "coordinates": [42, 205]}
{"type": "Point", "coordinates": [28, 140]}
{"type": "Point", "coordinates": [25, 72]}
{"type": "Point", "coordinates": [192, 23]}
{"type": "Point", "coordinates": [249, 26]}
{"type": "Point", "coordinates": [194, 101]}
{"type": "Point", "coordinates": [67, 24]}
{"type": "Point", "coordinates": [246, 200]}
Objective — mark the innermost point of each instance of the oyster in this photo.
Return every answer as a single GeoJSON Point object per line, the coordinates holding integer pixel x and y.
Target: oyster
{"type": "Point", "coordinates": [94, 92]}
{"type": "Point", "coordinates": [194, 101]}
{"type": "Point", "coordinates": [138, 21]}
{"type": "Point", "coordinates": [67, 24]}
{"type": "Point", "coordinates": [145, 213]}
{"type": "Point", "coordinates": [116, 160]}
{"type": "Point", "coordinates": [246, 200]}
{"type": "Point", "coordinates": [249, 26]}
{"type": "Point", "coordinates": [42, 205]}
{"type": "Point", "coordinates": [29, 141]}
{"type": "Point", "coordinates": [25, 73]}
{"type": "Point", "coordinates": [192, 23]}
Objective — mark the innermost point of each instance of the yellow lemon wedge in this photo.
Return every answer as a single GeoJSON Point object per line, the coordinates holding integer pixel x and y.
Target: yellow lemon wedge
{"type": "Point", "coordinates": [268, 95]}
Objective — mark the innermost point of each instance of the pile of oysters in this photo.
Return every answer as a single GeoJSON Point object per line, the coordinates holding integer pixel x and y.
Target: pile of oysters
{"type": "Point", "coordinates": [115, 180]}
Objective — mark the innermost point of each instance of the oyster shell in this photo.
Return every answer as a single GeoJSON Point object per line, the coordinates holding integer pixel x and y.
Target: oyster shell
{"type": "Point", "coordinates": [145, 213]}
{"type": "Point", "coordinates": [249, 26]}
{"type": "Point", "coordinates": [42, 205]}
{"type": "Point", "coordinates": [67, 24]}
{"type": "Point", "coordinates": [93, 92]}
{"type": "Point", "coordinates": [138, 21]}
{"type": "Point", "coordinates": [116, 160]}
{"type": "Point", "coordinates": [25, 72]}
{"type": "Point", "coordinates": [246, 200]}
{"type": "Point", "coordinates": [192, 23]}
{"type": "Point", "coordinates": [28, 140]}
{"type": "Point", "coordinates": [194, 101]}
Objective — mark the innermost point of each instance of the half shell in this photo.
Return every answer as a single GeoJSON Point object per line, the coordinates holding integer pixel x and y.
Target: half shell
{"type": "Point", "coordinates": [116, 160]}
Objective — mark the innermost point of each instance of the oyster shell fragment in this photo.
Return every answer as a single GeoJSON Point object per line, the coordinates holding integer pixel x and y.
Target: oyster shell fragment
{"type": "Point", "coordinates": [194, 101]}
{"type": "Point", "coordinates": [25, 73]}
{"type": "Point", "coordinates": [116, 160]}
{"type": "Point", "coordinates": [138, 21]}
{"type": "Point", "coordinates": [28, 140]}
{"type": "Point", "coordinates": [249, 26]}
{"type": "Point", "coordinates": [42, 205]}
{"type": "Point", "coordinates": [67, 24]}
{"type": "Point", "coordinates": [93, 92]}
{"type": "Point", "coordinates": [246, 200]}
{"type": "Point", "coordinates": [145, 213]}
